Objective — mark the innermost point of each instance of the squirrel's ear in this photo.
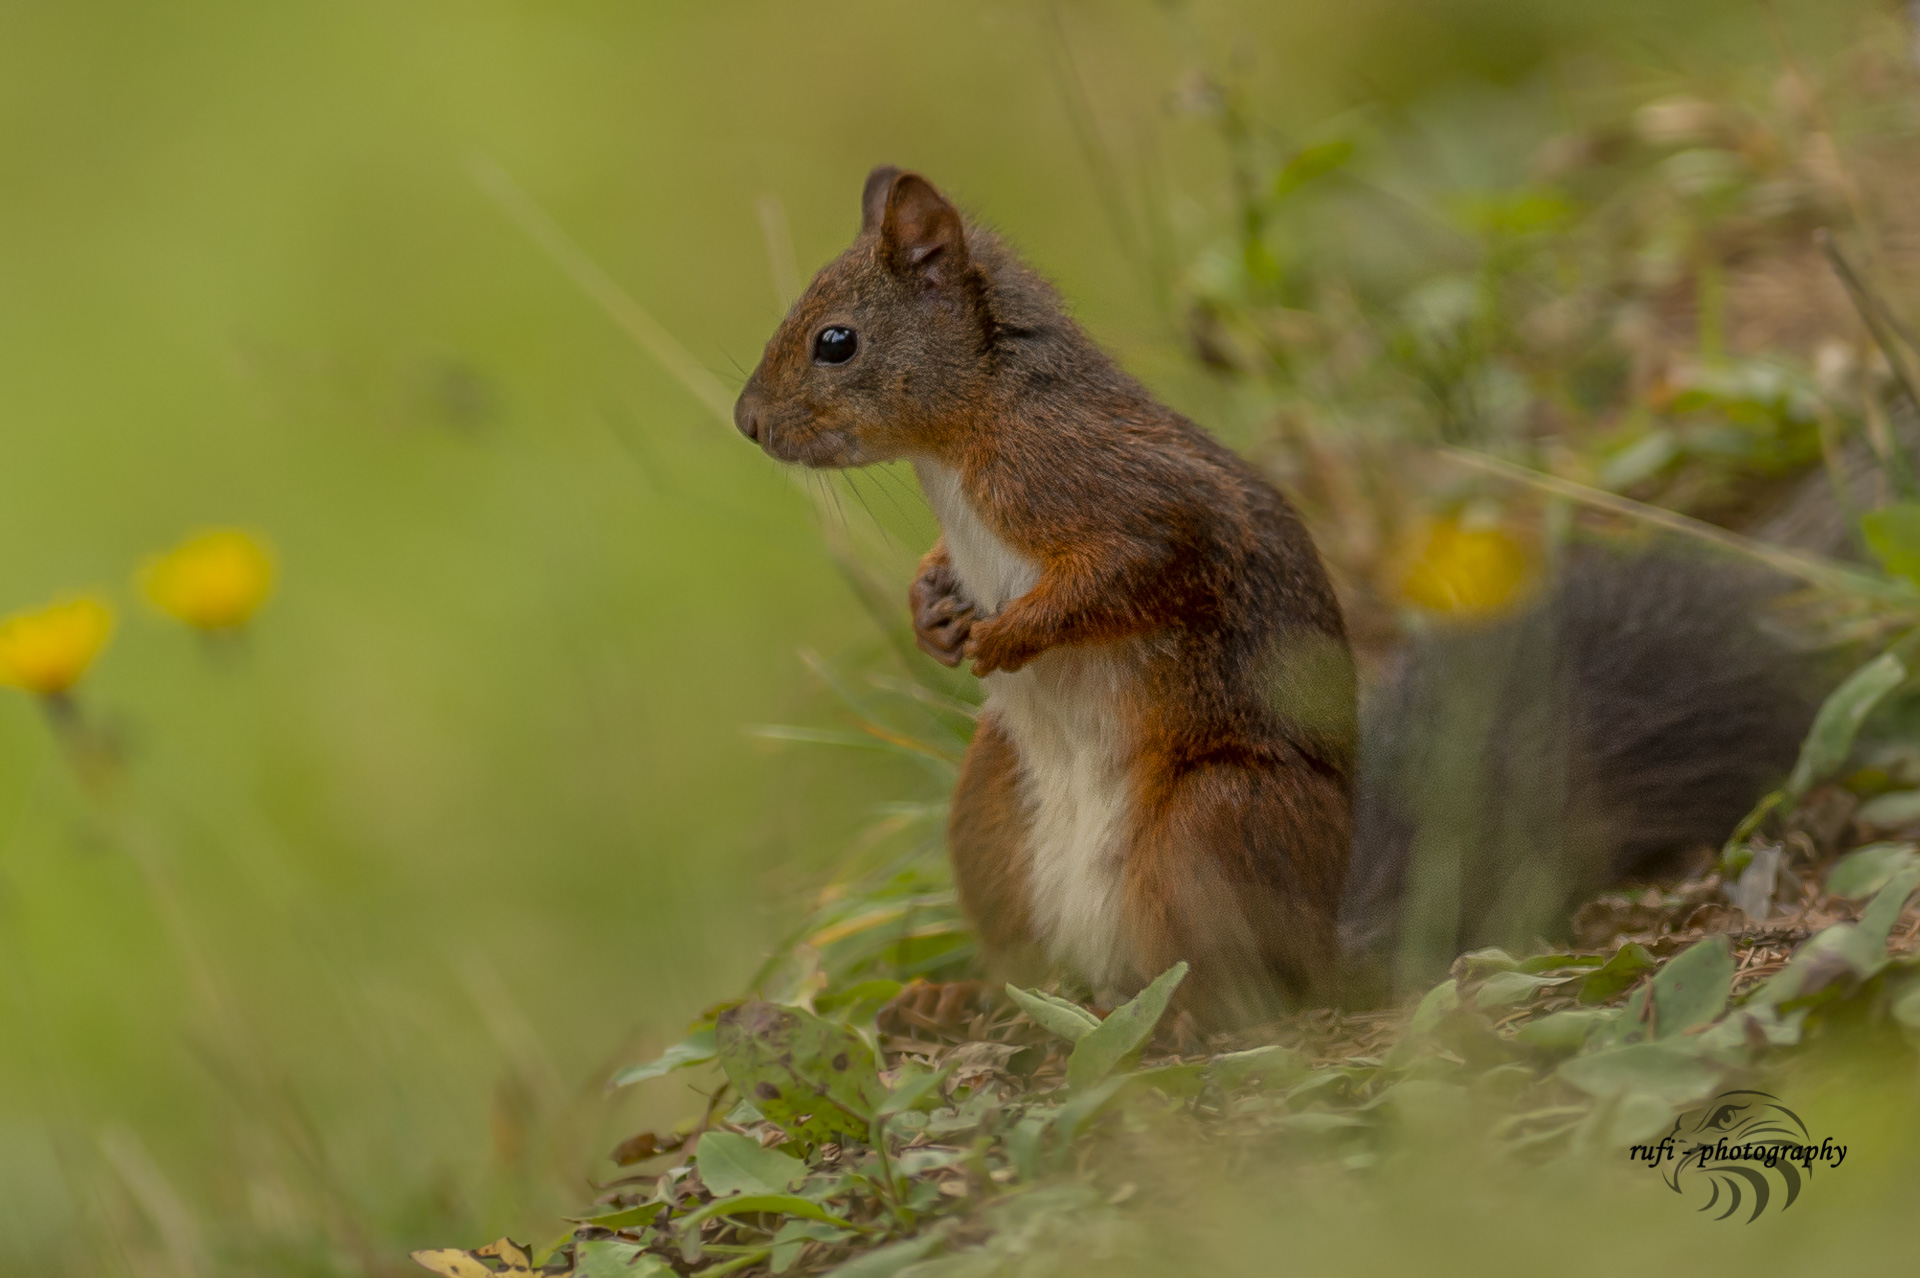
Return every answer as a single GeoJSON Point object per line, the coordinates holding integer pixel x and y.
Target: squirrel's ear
{"type": "Point", "coordinates": [873, 196]}
{"type": "Point", "coordinates": [920, 231]}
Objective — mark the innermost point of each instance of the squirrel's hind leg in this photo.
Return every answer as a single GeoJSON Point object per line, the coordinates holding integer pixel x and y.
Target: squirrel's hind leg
{"type": "Point", "coordinates": [987, 831]}
{"type": "Point", "coordinates": [1236, 869]}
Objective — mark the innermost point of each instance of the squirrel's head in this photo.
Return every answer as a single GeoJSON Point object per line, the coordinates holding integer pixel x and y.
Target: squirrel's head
{"type": "Point", "coordinates": [886, 350]}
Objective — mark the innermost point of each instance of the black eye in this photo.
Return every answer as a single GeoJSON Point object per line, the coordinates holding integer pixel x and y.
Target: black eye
{"type": "Point", "coordinates": [835, 345]}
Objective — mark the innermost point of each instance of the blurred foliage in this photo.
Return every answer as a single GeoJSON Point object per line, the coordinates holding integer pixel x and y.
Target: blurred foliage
{"type": "Point", "coordinates": [1016, 1139]}
{"type": "Point", "coordinates": [1583, 274]}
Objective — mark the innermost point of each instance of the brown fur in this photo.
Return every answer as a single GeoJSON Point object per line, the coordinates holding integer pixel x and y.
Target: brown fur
{"type": "Point", "coordinates": [1152, 541]}
{"type": "Point", "coordinates": [987, 838]}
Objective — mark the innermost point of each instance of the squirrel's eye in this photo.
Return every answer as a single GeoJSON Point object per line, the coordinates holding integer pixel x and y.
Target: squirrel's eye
{"type": "Point", "coordinates": [835, 345]}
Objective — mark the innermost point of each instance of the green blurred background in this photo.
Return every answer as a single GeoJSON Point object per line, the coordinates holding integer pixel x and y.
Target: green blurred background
{"type": "Point", "coordinates": [340, 965]}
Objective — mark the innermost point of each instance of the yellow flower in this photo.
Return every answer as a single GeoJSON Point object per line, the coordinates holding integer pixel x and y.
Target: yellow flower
{"type": "Point", "coordinates": [1464, 571]}
{"type": "Point", "coordinates": [214, 580]}
{"type": "Point", "coordinates": [46, 650]}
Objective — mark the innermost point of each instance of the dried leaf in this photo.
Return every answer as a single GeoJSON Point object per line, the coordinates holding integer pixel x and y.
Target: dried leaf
{"type": "Point", "coordinates": [452, 1262]}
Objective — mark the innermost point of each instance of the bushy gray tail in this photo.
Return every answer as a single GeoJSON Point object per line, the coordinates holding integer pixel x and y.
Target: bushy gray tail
{"type": "Point", "coordinates": [1629, 718]}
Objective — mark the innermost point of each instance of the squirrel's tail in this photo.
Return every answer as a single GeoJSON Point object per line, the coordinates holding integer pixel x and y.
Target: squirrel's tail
{"type": "Point", "coordinates": [1626, 720]}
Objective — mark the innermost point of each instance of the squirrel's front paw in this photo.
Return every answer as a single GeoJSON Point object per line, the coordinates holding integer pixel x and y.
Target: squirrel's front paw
{"type": "Point", "coordinates": [993, 645]}
{"type": "Point", "coordinates": [942, 614]}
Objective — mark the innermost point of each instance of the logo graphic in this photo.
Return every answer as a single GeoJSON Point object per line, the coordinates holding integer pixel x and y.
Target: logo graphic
{"type": "Point", "coordinates": [1740, 1146]}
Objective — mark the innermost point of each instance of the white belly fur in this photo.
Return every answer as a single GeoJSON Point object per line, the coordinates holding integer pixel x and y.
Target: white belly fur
{"type": "Point", "coordinates": [1062, 713]}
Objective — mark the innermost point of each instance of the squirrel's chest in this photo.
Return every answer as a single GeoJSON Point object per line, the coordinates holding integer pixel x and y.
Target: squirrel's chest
{"type": "Point", "coordinates": [1066, 714]}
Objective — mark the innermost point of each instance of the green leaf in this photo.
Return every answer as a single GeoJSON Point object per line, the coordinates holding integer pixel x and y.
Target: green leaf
{"type": "Point", "coordinates": [1662, 1070]}
{"type": "Point", "coordinates": [913, 1086]}
{"type": "Point", "coordinates": [696, 1048]}
{"type": "Point", "coordinates": [1565, 1031]}
{"type": "Point", "coordinates": [1893, 534]}
{"type": "Point", "coordinates": [1185, 1078]}
{"type": "Point", "coordinates": [1077, 1112]}
{"type": "Point", "coordinates": [1637, 1117]}
{"type": "Point", "coordinates": [1867, 870]}
{"type": "Point", "coordinates": [627, 1217]}
{"type": "Point", "coordinates": [1503, 988]}
{"type": "Point", "coordinates": [1069, 1020]}
{"type": "Point", "coordinates": [1023, 1142]}
{"type": "Point", "coordinates": [1617, 973]}
{"type": "Point", "coordinates": [1830, 740]}
{"type": "Point", "coordinates": [611, 1258]}
{"type": "Point", "coordinates": [885, 1262]}
{"type": "Point", "coordinates": [775, 1204]}
{"type": "Point", "coordinates": [1556, 962]}
{"type": "Point", "coordinates": [1124, 1032]}
{"type": "Point", "coordinates": [1480, 962]}
{"type": "Point", "coordinates": [867, 996]}
{"type": "Point", "coordinates": [1883, 911]}
{"type": "Point", "coordinates": [1273, 1065]}
{"type": "Point", "coordinates": [1434, 1006]}
{"type": "Point", "coordinates": [918, 1162]}
{"type": "Point", "coordinates": [1814, 966]}
{"type": "Point", "coordinates": [1906, 1005]}
{"type": "Point", "coordinates": [1316, 1123]}
{"type": "Point", "coordinates": [795, 1234]}
{"type": "Point", "coordinates": [730, 1163]}
{"type": "Point", "coordinates": [1419, 1099]}
{"type": "Point", "coordinates": [1901, 807]}
{"type": "Point", "coordinates": [965, 1264]}
{"type": "Point", "coordinates": [814, 1078]}
{"type": "Point", "coordinates": [1322, 1080]}
{"type": "Point", "coordinates": [1692, 988]}
{"type": "Point", "coordinates": [1733, 1043]}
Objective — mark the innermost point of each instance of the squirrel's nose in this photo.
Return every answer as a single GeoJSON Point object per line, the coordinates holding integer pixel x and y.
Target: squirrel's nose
{"type": "Point", "coordinates": [746, 416]}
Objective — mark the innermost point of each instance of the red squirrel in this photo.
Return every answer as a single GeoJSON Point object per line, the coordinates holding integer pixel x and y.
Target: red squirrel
{"type": "Point", "coordinates": [1165, 764]}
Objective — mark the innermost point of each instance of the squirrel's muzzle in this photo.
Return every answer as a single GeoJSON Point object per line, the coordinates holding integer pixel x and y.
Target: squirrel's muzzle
{"type": "Point", "coordinates": [746, 414]}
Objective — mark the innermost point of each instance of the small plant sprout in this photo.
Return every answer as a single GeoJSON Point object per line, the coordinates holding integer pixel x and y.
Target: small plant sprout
{"type": "Point", "coordinates": [213, 581]}
{"type": "Point", "coordinates": [46, 651]}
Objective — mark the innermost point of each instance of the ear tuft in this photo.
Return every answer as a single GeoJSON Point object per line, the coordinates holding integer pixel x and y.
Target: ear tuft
{"type": "Point", "coordinates": [920, 230]}
{"type": "Point", "coordinates": [873, 196]}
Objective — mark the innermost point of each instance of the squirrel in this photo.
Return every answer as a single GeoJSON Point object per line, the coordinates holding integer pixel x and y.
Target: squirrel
{"type": "Point", "coordinates": [1167, 765]}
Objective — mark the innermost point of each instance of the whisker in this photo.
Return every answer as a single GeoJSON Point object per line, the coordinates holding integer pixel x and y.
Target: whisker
{"type": "Point", "coordinates": [833, 490]}
{"type": "Point", "coordinates": [910, 491]}
{"type": "Point", "coordinates": [880, 474]}
{"type": "Point", "coordinates": [860, 497]}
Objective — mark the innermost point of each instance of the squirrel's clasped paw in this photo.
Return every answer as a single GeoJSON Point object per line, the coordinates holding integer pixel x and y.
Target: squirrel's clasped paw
{"type": "Point", "coordinates": [996, 644]}
{"type": "Point", "coordinates": [943, 616]}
